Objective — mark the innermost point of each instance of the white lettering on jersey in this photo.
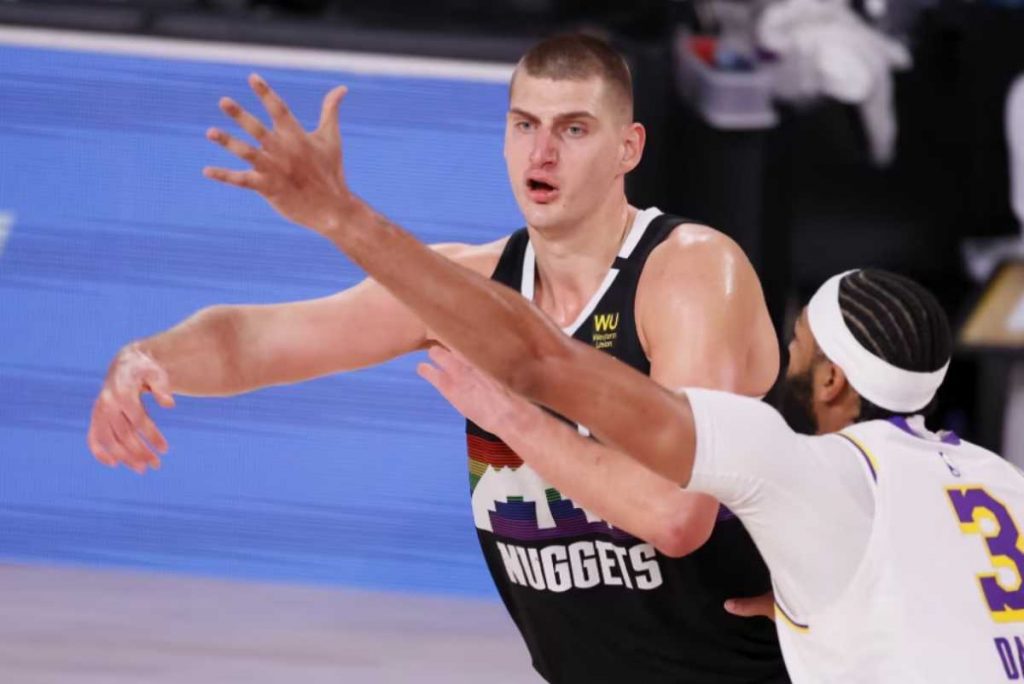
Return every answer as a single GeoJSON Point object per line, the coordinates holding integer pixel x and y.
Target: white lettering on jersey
{"type": "Point", "coordinates": [557, 574]}
{"type": "Point", "coordinates": [645, 560]}
{"type": "Point", "coordinates": [582, 565]}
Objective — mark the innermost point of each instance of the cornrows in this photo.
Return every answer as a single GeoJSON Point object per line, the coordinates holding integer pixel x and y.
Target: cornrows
{"type": "Point", "coordinates": [896, 319]}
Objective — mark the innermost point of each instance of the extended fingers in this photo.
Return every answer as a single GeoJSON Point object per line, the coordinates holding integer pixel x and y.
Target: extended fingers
{"type": "Point", "coordinates": [249, 123]}
{"type": "Point", "coordinates": [241, 149]}
{"type": "Point", "coordinates": [329, 111]}
{"type": "Point", "coordinates": [240, 179]}
{"type": "Point", "coordinates": [272, 102]}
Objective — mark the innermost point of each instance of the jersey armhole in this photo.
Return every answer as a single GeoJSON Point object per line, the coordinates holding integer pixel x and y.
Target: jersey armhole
{"type": "Point", "coordinates": [786, 616]}
{"type": "Point", "coordinates": [869, 464]}
{"type": "Point", "coordinates": [869, 467]}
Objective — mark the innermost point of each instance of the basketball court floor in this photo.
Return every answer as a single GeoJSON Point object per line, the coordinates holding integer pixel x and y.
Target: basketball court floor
{"type": "Point", "coordinates": [91, 626]}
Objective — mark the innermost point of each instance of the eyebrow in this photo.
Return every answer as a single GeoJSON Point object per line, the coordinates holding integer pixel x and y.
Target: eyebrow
{"type": "Point", "coordinates": [581, 114]}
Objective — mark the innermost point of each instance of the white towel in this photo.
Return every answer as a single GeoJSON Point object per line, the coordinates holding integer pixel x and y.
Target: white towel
{"type": "Point", "coordinates": [828, 50]}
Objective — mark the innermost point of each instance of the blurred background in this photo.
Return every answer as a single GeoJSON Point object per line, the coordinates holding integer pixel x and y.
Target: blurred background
{"type": "Point", "coordinates": [822, 136]}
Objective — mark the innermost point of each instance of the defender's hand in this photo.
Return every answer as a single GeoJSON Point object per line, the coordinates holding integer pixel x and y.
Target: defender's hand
{"type": "Point", "coordinates": [473, 394]}
{"type": "Point", "coordinates": [298, 172]}
{"type": "Point", "coordinates": [120, 430]}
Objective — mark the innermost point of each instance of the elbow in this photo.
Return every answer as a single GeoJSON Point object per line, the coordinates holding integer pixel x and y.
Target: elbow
{"type": "Point", "coordinates": [674, 542]}
{"type": "Point", "coordinates": [686, 528]}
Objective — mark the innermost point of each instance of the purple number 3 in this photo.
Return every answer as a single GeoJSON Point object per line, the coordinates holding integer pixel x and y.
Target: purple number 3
{"type": "Point", "coordinates": [981, 513]}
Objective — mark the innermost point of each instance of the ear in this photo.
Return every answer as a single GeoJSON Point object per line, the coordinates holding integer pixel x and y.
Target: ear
{"type": "Point", "coordinates": [633, 146]}
{"type": "Point", "coordinates": [830, 382]}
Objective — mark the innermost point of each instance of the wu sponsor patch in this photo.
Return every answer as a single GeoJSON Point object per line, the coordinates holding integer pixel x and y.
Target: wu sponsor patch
{"type": "Point", "coordinates": [605, 330]}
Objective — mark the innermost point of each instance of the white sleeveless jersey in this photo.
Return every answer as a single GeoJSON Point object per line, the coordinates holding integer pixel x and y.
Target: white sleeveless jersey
{"type": "Point", "coordinates": [938, 595]}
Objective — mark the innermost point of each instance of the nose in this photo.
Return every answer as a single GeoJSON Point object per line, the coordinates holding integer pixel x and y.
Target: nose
{"type": "Point", "coordinates": [545, 149]}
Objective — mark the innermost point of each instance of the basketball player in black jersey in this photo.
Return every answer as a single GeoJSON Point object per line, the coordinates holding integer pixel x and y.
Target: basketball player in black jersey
{"type": "Point", "coordinates": [673, 299]}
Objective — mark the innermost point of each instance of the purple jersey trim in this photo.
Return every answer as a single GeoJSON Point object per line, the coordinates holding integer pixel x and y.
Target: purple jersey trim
{"type": "Point", "coordinates": [949, 438]}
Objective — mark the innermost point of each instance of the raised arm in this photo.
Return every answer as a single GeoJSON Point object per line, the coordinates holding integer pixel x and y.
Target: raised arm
{"type": "Point", "coordinates": [300, 175]}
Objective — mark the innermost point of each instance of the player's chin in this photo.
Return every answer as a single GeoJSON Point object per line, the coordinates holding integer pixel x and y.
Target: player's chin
{"type": "Point", "coordinates": [543, 215]}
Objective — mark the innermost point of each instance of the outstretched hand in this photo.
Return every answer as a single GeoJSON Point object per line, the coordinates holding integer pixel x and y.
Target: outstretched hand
{"type": "Point", "coordinates": [474, 394]}
{"type": "Point", "coordinates": [297, 171]}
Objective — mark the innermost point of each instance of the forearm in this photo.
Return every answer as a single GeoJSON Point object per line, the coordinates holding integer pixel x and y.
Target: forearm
{"type": "Point", "coordinates": [618, 489]}
{"type": "Point", "coordinates": [203, 355]}
{"type": "Point", "coordinates": [500, 332]}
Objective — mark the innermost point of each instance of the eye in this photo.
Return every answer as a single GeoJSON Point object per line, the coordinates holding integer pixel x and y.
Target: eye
{"type": "Point", "coordinates": [523, 126]}
{"type": "Point", "coordinates": [575, 130]}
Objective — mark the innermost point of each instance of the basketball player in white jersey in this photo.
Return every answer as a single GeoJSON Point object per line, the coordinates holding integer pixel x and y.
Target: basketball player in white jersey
{"type": "Point", "coordinates": [897, 554]}
{"type": "Point", "coordinates": [676, 300]}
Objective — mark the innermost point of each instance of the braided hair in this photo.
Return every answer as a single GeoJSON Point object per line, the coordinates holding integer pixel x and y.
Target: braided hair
{"type": "Point", "coordinates": [898, 321]}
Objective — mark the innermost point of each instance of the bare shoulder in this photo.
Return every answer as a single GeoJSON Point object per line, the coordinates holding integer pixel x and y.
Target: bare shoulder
{"type": "Point", "coordinates": [480, 258]}
{"type": "Point", "coordinates": [700, 257]}
{"type": "Point", "coordinates": [701, 314]}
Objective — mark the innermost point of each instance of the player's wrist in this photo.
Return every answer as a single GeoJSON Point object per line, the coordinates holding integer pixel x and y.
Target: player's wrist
{"type": "Point", "coordinates": [344, 213]}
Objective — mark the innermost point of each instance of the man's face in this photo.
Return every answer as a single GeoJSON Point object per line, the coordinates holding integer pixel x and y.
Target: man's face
{"type": "Point", "coordinates": [567, 143]}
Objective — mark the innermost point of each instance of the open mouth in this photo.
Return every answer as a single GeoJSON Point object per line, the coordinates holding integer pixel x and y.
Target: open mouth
{"type": "Point", "coordinates": [540, 191]}
{"type": "Point", "coordinates": [539, 186]}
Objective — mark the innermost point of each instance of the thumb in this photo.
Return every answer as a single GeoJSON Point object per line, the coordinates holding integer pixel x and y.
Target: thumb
{"type": "Point", "coordinates": [329, 112]}
{"type": "Point", "coordinates": [157, 382]}
{"type": "Point", "coordinates": [758, 606]}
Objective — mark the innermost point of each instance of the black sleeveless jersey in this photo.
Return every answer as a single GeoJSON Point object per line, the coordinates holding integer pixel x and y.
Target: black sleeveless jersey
{"type": "Point", "coordinates": [593, 603]}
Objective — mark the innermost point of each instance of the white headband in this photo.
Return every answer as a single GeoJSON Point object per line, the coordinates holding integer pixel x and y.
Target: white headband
{"type": "Point", "coordinates": [878, 381]}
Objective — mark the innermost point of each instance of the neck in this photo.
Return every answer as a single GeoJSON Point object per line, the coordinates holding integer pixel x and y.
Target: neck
{"type": "Point", "coordinates": [573, 260]}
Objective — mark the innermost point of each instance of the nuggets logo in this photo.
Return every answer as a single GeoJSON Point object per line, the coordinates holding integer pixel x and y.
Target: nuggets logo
{"type": "Point", "coordinates": [539, 533]}
{"type": "Point", "coordinates": [605, 326]}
